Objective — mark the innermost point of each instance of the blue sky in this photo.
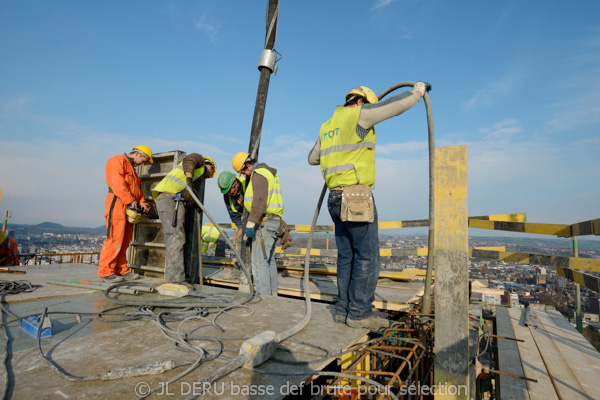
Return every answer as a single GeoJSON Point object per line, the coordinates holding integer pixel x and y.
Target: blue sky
{"type": "Point", "coordinates": [517, 82]}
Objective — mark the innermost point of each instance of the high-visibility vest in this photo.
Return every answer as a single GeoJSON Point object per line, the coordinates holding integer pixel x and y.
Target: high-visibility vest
{"type": "Point", "coordinates": [233, 202]}
{"type": "Point", "coordinates": [274, 199]}
{"type": "Point", "coordinates": [210, 234]}
{"type": "Point", "coordinates": [345, 158]}
{"type": "Point", "coordinates": [175, 181]}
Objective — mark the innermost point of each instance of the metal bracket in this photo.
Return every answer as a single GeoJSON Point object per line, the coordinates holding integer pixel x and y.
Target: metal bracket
{"type": "Point", "coordinates": [268, 59]}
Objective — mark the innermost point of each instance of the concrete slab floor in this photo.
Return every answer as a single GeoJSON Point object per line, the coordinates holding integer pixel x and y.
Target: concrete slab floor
{"type": "Point", "coordinates": [92, 346]}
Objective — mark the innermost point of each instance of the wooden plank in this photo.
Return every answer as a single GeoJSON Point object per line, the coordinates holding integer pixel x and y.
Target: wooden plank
{"type": "Point", "coordinates": [394, 296]}
{"type": "Point", "coordinates": [393, 224]}
{"type": "Point", "coordinates": [581, 358]}
{"type": "Point", "coordinates": [509, 359]}
{"type": "Point", "coordinates": [452, 274]}
{"type": "Point", "coordinates": [591, 227]}
{"type": "Point", "coordinates": [565, 380]}
{"type": "Point", "coordinates": [561, 230]}
{"type": "Point", "coordinates": [588, 264]}
{"type": "Point", "coordinates": [589, 281]}
{"type": "Point", "coordinates": [533, 366]}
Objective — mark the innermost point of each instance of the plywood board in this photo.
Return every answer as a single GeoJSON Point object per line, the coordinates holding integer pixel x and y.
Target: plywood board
{"type": "Point", "coordinates": [509, 359]}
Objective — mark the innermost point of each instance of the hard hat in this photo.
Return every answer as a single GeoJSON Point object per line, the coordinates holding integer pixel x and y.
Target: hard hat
{"type": "Point", "coordinates": [238, 161]}
{"type": "Point", "coordinates": [3, 236]}
{"type": "Point", "coordinates": [365, 92]}
{"type": "Point", "coordinates": [146, 150]}
{"type": "Point", "coordinates": [212, 161]}
{"type": "Point", "coordinates": [134, 216]}
{"type": "Point", "coordinates": [225, 181]}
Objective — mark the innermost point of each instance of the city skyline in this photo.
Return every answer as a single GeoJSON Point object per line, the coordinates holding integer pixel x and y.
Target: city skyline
{"type": "Point", "coordinates": [515, 82]}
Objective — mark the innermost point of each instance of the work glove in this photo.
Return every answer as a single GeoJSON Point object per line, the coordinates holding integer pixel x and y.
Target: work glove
{"type": "Point", "coordinates": [422, 87]}
{"type": "Point", "coordinates": [190, 182]}
{"type": "Point", "coordinates": [250, 229]}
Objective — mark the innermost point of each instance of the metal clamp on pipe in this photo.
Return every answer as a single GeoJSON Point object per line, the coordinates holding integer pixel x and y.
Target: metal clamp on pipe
{"type": "Point", "coordinates": [267, 60]}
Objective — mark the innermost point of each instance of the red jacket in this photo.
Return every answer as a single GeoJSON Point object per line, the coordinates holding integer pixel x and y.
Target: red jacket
{"type": "Point", "coordinates": [8, 248]}
{"type": "Point", "coordinates": [124, 183]}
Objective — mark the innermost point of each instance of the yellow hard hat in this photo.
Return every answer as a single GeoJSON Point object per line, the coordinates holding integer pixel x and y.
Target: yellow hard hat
{"type": "Point", "coordinates": [212, 161]}
{"type": "Point", "coordinates": [238, 161]}
{"type": "Point", "coordinates": [146, 150]}
{"type": "Point", "coordinates": [3, 236]}
{"type": "Point", "coordinates": [134, 216]}
{"type": "Point", "coordinates": [365, 92]}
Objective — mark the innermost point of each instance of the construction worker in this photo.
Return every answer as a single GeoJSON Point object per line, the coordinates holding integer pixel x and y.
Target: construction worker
{"type": "Point", "coordinates": [211, 238]}
{"type": "Point", "coordinates": [9, 252]}
{"type": "Point", "coordinates": [233, 189]}
{"type": "Point", "coordinates": [345, 151]}
{"type": "Point", "coordinates": [264, 203]}
{"type": "Point", "coordinates": [124, 193]}
{"type": "Point", "coordinates": [169, 192]}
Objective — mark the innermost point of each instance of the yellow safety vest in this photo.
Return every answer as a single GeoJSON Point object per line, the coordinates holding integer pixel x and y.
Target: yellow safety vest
{"type": "Point", "coordinates": [175, 180]}
{"type": "Point", "coordinates": [210, 234]}
{"type": "Point", "coordinates": [274, 199]}
{"type": "Point", "coordinates": [232, 203]}
{"type": "Point", "coordinates": [345, 158]}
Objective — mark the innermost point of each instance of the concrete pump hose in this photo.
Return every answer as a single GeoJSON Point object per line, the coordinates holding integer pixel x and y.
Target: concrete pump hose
{"type": "Point", "coordinates": [425, 306]}
{"type": "Point", "coordinates": [298, 327]}
{"type": "Point", "coordinates": [222, 233]}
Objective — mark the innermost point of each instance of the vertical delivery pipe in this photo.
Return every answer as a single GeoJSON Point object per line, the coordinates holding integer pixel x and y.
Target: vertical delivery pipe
{"type": "Point", "coordinates": [578, 319]}
{"type": "Point", "coordinates": [266, 66]}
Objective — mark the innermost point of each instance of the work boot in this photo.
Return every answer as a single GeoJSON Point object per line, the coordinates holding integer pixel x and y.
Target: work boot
{"type": "Point", "coordinates": [112, 279]}
{"type": "Point", "coordinates": [373, 323]}
{"type": "Point", "coordinates": [339, 318]}
{"type": "Point", "coordinates": [130, 276]}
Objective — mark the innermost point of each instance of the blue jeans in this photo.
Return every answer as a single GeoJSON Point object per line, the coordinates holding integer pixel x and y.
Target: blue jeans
{"type": "Point", "coordinates": [174, 237]}
{"type": "Point", "coordinates": [264, 268]}
{"type": "Point", "coordinates": [357, 262]}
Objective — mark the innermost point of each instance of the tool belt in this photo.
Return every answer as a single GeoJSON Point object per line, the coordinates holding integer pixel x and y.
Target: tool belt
{"type": "Point", "coordinates": [283, 233]}
{"type": "Point", "coordinates": [357, 204]}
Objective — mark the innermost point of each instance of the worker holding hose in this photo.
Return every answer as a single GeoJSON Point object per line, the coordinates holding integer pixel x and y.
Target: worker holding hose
{"type": "Point", "coordinates": [168, 195]}
{"type": "Point", "coordinates": [345, 150]}
{"type": "Point", "coordinates": [265, 206]}
{"type": "Point", "coordinates": [233, 189]}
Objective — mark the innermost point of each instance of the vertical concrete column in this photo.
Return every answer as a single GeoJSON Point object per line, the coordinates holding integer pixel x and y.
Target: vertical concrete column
{"type": "Point", "coordinates": [451, 274]}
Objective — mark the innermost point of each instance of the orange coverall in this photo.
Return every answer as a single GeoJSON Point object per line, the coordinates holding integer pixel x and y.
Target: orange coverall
{"type": "Point", "coordinates": [7, 249]}
{"type": "Point", "coordinates": [126, 187]}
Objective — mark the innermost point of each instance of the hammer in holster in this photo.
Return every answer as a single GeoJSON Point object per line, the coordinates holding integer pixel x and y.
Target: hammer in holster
{"type": "Point", "coordinates": [177, 199]}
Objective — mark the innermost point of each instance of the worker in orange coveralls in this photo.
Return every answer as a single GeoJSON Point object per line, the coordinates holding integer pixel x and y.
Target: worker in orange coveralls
{"type": "Point", "coordinates": [8, 249]}
{"type": "Point", "coordinates": [124, 191]}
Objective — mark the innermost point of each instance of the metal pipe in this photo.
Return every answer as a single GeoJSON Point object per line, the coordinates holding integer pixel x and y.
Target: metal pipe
{"type": "Point", "coordinates": [257, 120]}
{"type": "Point", "coordinates": [578, 315]}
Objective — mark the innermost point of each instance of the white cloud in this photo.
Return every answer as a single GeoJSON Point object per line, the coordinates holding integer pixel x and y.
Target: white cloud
{"type": "Point", "coordinates": [381, 4]}
{"type": "Point", "coordinates": [209, 24]}
{"type": "Point", "coordinates": [498, 87]}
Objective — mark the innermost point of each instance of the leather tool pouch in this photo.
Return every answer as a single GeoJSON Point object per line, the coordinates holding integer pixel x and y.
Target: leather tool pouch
{"type": "Point", "coordinates": [283, 233]}
{"type": "Point", "coordinates": [357, 204]}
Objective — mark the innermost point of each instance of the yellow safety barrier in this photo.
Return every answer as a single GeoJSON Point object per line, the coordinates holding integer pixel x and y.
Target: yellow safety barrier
{"type": "Point", "coordinates": [589, 281]}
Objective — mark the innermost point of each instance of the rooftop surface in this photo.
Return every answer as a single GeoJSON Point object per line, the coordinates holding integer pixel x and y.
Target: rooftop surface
{"type": "Point", "coordinates": [91, 346]}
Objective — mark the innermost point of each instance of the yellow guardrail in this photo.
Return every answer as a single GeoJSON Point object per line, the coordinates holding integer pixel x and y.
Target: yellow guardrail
{"type": "Point", "coordinates": [589, 281]}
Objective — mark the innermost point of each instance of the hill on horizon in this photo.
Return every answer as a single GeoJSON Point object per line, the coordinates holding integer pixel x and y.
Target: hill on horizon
{"type": "Point", "coordinates": [49, 225]}
{"type": "Point", "coordinates": [57, 229]}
